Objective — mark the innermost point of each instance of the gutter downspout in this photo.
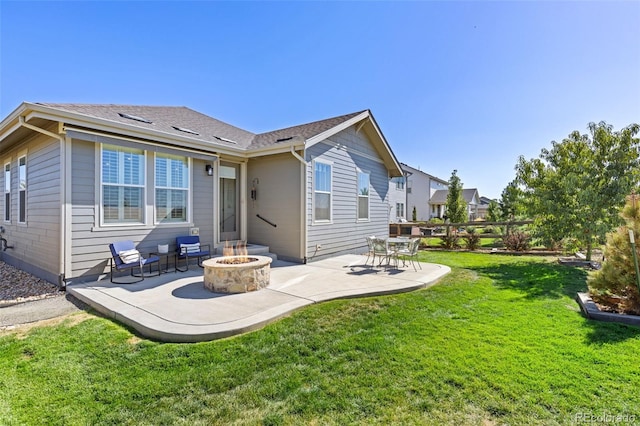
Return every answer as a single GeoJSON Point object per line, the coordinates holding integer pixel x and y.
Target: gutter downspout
{"type": "Point", "coordinates": [303, 203]}
{"type": "Point", "coordinates": [63, 195]}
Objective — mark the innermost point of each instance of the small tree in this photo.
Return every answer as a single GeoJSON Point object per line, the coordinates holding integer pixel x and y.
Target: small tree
{"type": "Point", "coordinates": [617, 278]}
{"type": "Point", "coordinates": [511, 204]}
{"type": "Point", "coordinates": [456, 206]}
{"type": "Point", "coordinates": [414, 214]}
{"type": "Point", "coordinates": [494, 213]}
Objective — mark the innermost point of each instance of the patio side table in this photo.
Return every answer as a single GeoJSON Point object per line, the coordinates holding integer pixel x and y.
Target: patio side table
{"type": "Point", "coordinates": [164, 256]}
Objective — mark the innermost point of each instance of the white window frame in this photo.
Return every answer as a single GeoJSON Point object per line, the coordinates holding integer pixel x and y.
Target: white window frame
{"type": "Point", "coordinates": [22, 189]}
{"type": "Point", "coordinates": [360, 196]}
{"type": "Point", "coordinates": [330, 192]}
{"type": "Point", "coordinates": [400, 183]}
{"type": "Point", "coordinates": [143, 186]}
{"type": "Point", "coordinates": [170, 187]}
{"type": "Point", "coordinates": [400, 210]}
{"type": "Point", "coordinates": [7, 192]}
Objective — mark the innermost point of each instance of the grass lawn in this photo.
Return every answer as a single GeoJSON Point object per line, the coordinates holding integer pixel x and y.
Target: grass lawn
{"type": "Point", "coordinates": [500, 340]}
{"type": "Point", "coordinates": [484, 242]}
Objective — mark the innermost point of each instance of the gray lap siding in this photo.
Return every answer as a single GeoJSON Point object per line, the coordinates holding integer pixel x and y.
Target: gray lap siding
{"type": "Point", "coordinates": [36, 243]}
{"type": "Point", "coordinates": [90, 242]}
{"type": "Point", "coordinates": [348, 152]}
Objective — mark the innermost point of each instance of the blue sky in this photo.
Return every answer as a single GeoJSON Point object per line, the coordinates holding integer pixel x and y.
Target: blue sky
{"type": "Point", "coordinates": [453, 85]}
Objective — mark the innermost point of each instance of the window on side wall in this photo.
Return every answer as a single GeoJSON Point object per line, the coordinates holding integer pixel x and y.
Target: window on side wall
{"type": "Point", "coordinates": [322, 191]}
{"type": "Point", "coordinates": [363, 195]}
{"type": "Point", "coordinates": [172, 188]}
{"type": "Point", "coordinates": [123, 182]}
{"type": "Point", "coordinates": [7, 192]}
{"type": "Point", "coordinates": [399, 209]}
{"type": "Point", "coordinates": [400, 183]}
{"type": "Point", "coordinates": [22, 190]}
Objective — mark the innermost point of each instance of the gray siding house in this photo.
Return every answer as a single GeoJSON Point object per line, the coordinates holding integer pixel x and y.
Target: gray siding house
{"type": "Point", "coordinates": [78, 177]}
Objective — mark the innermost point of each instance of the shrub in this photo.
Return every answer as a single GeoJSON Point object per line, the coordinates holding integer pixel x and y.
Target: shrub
{"type": "Point", "coordinates": [450, 241]}
{"type": "Point", "coordinates": [617, 278]}
{"type": "Point", "coordinates": [516, 241]}
{"type": "Point", "coordinates": [472, 239]}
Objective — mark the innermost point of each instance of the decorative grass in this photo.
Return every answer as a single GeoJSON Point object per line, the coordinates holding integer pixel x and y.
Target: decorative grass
{"type": "Point", "coordinates": [500, 340]}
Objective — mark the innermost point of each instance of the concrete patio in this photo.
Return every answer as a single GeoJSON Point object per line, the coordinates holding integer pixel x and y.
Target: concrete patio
{"type": "Point", "coordinates": [175, 307]}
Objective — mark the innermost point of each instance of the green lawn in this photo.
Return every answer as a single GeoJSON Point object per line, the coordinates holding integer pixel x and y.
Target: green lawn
{"type": "Point", "coordinates": [500, 340]}
{"type": "Point", "coordinates": [485, 243]}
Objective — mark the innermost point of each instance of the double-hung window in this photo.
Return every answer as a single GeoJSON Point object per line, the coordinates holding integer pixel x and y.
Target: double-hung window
{"type": "Point", "coordinates": [322, 192]}
{"type": "Point", "coordinates": [22, 190]}
{"type": "Point", "coordinates": [7, 192]}
{"type": "Point", "coordinates": [399, 209]}
{"type": "Point", "coordinates": [123, 182]}
{"type": "Point", "coordinates": [363, 195]}
{"type": "Point", "coordinates": [172, 188]}
{"type": "Point", "coordinates": [400, 183]}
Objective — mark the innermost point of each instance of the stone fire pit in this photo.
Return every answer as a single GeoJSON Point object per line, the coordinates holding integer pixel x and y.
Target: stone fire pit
{"type": "Point", "coordinates": [237, 274]}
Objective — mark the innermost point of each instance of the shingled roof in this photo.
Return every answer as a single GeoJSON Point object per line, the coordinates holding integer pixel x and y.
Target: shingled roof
{"type": "Point", "coordinates": [307, 131]}
{"type": "Point", "coordinates": [185, 122]}
{"type": "Point", "coordinates": [440, 196]}
{"type": "Point", "coordinates": [178, 121]}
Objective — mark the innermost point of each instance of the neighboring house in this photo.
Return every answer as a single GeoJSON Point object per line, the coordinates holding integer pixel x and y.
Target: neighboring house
{"type": "Point", "coordinates": [471, 197]}
{"type": "Point", "coordinates": [483, 207]}
{"type": "Point", "coordinates": [77, 177]}
{"type": "Point", "coordinates": [420, 188]}
{"type": "Point", "coordinates": [398, 200]}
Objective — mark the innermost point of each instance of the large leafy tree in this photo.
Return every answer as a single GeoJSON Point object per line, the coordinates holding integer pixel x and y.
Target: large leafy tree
{"type": "Point", "coordinates": [576, 188]}
{"type": "Point", "coordinates": [456, 206]}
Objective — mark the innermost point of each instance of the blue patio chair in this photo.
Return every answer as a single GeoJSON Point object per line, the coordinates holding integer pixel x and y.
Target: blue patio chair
{"type": "Point", "coordinates": [124, 256]}
{"type": "Point", "coordinates": [188, 247]}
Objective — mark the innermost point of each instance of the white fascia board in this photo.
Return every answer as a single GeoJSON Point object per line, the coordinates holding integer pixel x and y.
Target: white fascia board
{"type": "Point", "coordinates": [282, 148]}
{"type": "Point", "coordinates": [340, 127]}
{"type": "Point", "coordinates": [71, 118]}
{"type": "Point", "coordinates": [8, 130]}
{"type": "Point", "coordinates": [11, 122]}
{"type": "Point", "coordinates": [387, 148]}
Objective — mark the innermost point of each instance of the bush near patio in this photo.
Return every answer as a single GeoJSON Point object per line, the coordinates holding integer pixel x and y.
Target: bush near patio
{"type": "Point", "coordinates": [616, 284]}
{"type": "Point", "coordinates": [500, 340]}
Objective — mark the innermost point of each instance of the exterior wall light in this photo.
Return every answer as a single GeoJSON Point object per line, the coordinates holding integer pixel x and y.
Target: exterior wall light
{"type": "Point", "coordinates": [209, 169]}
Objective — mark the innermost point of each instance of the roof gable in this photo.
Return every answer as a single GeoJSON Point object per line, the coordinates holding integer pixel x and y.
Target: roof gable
{"type": "Point", "coordinates": [440, 196]}
{"type": "Point", "coordinates": [307, 131]}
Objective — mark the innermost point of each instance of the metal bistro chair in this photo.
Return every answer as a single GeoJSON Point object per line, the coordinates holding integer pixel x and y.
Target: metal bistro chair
{"type": "Point", "coordinates": [382, 249]}
{"type": "Point", "coordinates": [124, 256]}
{"type": "Point", "coordinates": [370, 251]}
{"type": "Point", "coordinates": [189, 246]}
{"type": "Point", "coordinates": [411, 252]}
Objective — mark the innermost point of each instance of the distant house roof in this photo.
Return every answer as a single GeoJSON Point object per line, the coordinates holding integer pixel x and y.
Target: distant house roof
{"type": "Point", "coordinates": [485, 200]}
{"type": "Point", "coordinates": [413, 170]}
{"type": "Point", "coordinates": [440, 196]}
